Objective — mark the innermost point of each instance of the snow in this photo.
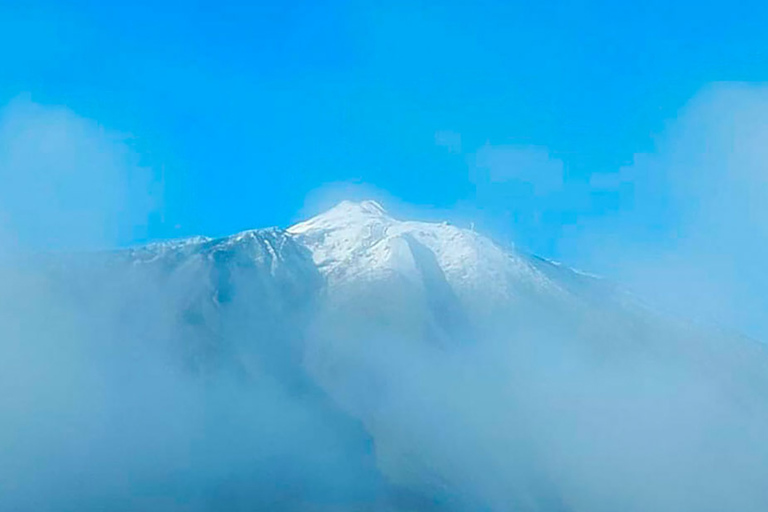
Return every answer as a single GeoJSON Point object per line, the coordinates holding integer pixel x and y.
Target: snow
{"type": "Point", "coordinates": [358, 245]}
{"type": "Point", "coordinates": [361, 241]}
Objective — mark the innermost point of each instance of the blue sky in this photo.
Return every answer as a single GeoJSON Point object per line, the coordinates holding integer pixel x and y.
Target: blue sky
{"type": "Point", "coordinates": [559, 125]}
{"type": "Point", "coordinates": [247, 107]}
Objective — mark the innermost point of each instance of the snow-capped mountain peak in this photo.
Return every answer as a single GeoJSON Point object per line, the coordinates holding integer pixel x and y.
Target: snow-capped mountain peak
{"type": "Point", "coordinates": [347, 230]}
{"type": "Point", "coordinates": [423, 339]}
{"type": "Point", "coordinates": [355, 241]}
{"type": "Point", "coordinates": [346, 213]}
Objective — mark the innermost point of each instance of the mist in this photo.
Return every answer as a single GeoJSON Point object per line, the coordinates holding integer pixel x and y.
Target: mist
{"type": "Point", "coordinates": [557, 411]}
{"type": "Point", "coordinates": [690, 235]}
{"type": "Point", "coordinates": [103, 409]}
{"type": "Point", "coordinates": [109, 399]}
{"type": "Point", "coordinates": [227, 378]}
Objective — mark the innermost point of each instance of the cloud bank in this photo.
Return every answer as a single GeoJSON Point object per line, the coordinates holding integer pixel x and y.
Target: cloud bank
{"type": "Point", "coordinates": [684, 226]}
{"type": "Point", "coordinates": [69, 183]}
{"type": "Point", "coordinates": [692, 233]}
{"type": "Point", "coordinates": [222, 376]}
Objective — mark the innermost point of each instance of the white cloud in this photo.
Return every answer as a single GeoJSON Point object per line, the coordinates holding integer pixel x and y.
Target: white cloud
{"type": "Point", "coordinates": [531, 165]}
{"type": "Point", "coordinates": [67, 181]}
{"type": "Point", "coordinates": [449, 140]}
{"type": "Point", "coordinates": [694, 234]}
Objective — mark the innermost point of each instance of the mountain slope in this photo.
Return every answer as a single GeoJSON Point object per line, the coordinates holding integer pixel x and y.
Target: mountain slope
{"type": "Point", "coordinates": [406, 322]}
{"type": "Point", "coordinates": [358, 362]}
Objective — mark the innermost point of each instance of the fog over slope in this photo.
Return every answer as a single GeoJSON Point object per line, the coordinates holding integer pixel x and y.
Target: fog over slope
{"type": "Point", "coordinates": [358, 362]}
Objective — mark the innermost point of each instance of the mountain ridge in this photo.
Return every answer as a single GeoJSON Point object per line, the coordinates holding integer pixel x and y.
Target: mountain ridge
{"type": "Point", "coordinates": [431, 365]}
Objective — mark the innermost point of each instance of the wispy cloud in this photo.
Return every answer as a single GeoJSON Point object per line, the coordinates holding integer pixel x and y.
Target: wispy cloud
{"type": "Point", "coordinates": [69, 182]}
{"type": "Point", "coordinates": [449, 140]}
{"type": "Point", "coordinates": [692, 230]}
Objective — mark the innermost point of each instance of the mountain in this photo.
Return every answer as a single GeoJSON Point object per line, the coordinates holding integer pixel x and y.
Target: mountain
{"type": "Point", "coordinates": [358, 362]}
